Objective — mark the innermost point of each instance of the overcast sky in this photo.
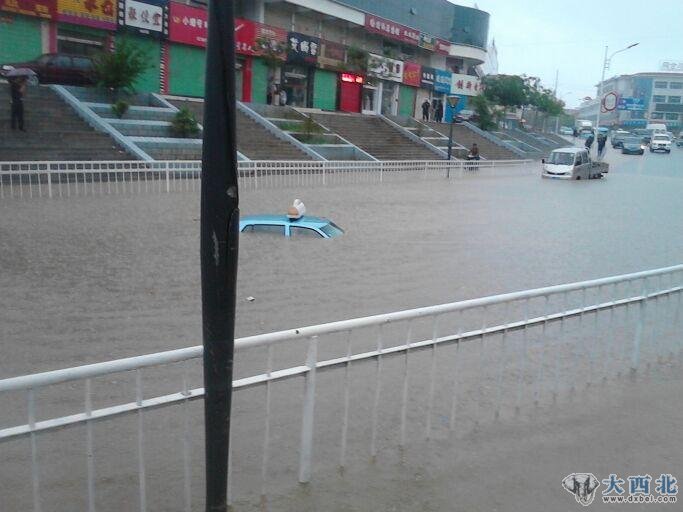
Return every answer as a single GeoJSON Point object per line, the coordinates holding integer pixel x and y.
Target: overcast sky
{"type": "Point", "coordinates": [538, 37]}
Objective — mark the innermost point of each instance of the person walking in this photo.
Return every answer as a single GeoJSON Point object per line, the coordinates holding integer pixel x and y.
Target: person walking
{"type": "Point", "coordinates": [17, 92]}
{"type": "Point", "coordinates": [439, 111]}
{"type": "Point", "coordinates": [589, 142]}
{"type": "Point", "coordinates": [425, 110]}
{"type": "Point", "coordinates": [602, 140]}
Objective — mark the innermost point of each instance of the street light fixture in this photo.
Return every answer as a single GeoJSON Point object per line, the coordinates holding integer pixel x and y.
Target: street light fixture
{"type": "Point", "coordinates": [605, 67]}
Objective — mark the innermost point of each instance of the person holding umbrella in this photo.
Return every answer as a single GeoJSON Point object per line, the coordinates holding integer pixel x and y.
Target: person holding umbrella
{"type": "Point", "coordinates": [18, 80]}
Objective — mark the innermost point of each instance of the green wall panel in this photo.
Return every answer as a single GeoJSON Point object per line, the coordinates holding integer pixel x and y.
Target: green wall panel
{"type": "Point", "coordinates": [20, 38]}
{"type": "Point", "coordinates": [325, 90]}
{"type": "Point", "coordinates": [149, 81]}
{"type": "Point", "coordinates": [406, 101]}
{"type": "Point", "coordinates": [259, 81]}
{"type": "Point", "coordinates": [186, 70]}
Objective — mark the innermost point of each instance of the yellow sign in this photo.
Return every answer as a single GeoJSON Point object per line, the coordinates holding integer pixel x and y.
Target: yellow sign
{"type": "Point", "coordinates": [93, 13]}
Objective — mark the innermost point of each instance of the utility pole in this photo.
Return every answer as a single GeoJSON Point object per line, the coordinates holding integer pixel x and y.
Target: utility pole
{"type": "Point", "coordinates": [219, 247]}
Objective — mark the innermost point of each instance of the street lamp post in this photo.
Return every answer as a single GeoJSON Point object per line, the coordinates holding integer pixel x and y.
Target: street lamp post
{"type": "Point", "coordinates": [557, 119]}
{"type": "Point", "coordinates": [452, 102]}
{"type": "Point", "coordinates": [218, 248]}
{"type": "Point", "coordinates": [605, 67]}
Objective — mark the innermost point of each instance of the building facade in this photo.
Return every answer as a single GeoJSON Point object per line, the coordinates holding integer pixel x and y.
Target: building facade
{"type": "Point", "coordinates": [633, 101]}
{"type": "Point", "coordinates": [348, 55]}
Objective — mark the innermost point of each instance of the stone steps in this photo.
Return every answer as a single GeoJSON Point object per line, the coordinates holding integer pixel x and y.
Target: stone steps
{"type": "Point", "coordinates": [54, 132]}
{"type": "Point", "coordinates": [253, 140]}
{"type": "Point", "coordinates": [375, 137]}
{"type": "Point", "coordinates": [466, 137]}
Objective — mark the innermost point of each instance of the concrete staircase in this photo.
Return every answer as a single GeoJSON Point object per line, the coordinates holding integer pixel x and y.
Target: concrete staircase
{"type": "Point", "coordinates": [253, 140]}
{"type": "Point", "coordinates": [54, 131]}
{"type": "Point", "coordinates": [540, 140]}
{"type": "Point", "coordinates": [466, 137]}
{"type": "Point", "coordinates": [375, 136]}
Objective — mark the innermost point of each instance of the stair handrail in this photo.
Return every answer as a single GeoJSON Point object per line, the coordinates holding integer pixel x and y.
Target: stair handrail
{"type": "Point", "coordinates": [495, 140]}
{"type": "Point", "coordinates": [346, 141]}
{"type": "Point", "coordinates": [404, 131]}
{"type": "Point", "coordinates": [96, 122]}
{"type": "Point", "coordinates": [277, 132]}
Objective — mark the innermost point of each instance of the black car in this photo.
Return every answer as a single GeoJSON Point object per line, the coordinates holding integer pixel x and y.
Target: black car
{"type": "Point", "coordinates": [60, 68]}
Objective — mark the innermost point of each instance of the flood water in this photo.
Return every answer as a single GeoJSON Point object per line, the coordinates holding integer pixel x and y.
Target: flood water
{"type": "Point", "coordinates": [87, 279]}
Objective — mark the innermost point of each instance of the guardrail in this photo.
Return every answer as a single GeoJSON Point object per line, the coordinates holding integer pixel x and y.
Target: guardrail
{"type": "Point", "coordinates": [481, 359]}
{"type": "Point", "coordinates": [66, 179]}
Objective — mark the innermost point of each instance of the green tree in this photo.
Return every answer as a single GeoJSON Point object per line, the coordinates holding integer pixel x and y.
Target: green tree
{"type": "Point", "coordinates": [482, 107]}
{"type": "Point", "coordinates": [506, 90]}
{"type": "Point", "coordinates": [119, 70]}
{"type": "Point", "coordinates": [184, 124]}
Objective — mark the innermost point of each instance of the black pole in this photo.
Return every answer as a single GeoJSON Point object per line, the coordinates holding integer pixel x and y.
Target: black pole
{"type": "Point", "coordinates": [219, 247]}
{"type": "Point", "coordinates": [450, 147]}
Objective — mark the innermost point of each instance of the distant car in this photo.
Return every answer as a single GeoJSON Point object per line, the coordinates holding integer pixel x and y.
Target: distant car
{"type": "Point", "coordinates": [679, 142]}
{"type": "Point", "coordinates": [645, 135]}
{"type": "Point", "coordinates": [660, 142]}
{"type": "Point", "coordinates": [566, 130]}
{"type": "Point", "coordinates": [618, 137]}
{"type": "Point", "coordinates": [632, 146]}
{"type": "Point", "coordinates": [60, 68]}
{"type": "Point", "coordinates": [317, 227]}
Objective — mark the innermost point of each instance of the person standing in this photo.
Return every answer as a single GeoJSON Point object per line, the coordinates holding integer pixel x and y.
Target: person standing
{"type": "Point", "coordinates": [283, 97]}
{"type": "Point", "coordinates": [17, 92]}
{"type": "Point", "coordinates": [439, 111]}
{"type": "Point", "coordinates": [425, 110]}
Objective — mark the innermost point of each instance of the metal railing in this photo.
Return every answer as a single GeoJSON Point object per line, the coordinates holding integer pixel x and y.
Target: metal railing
{"type": "Point", "coordinates": [480, 359]}
{"type": "Point", "coordinates": [66, 179]}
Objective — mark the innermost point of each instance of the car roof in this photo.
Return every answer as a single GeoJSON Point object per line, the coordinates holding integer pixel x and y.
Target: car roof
{"type": "Point", "coordinates": [306, 221]}
{"type": "Point", "coordinates": [568, 150]}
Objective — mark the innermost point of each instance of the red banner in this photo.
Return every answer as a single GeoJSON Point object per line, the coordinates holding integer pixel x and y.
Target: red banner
{"type": "Point", "coordinates": [245, 36]}
{"type": "Point", "coordinates": [253, 38]}
{"type": "Point", "coordinates": [188, 25]}
{"type": "Point", "coordinates": [412, 73]}
{"type": "Point", "coordinates": [46, 9]}
{"type": "Point", "coordinates": [270, 40]}
{"type": "Point", "coordinates": [390, 29]}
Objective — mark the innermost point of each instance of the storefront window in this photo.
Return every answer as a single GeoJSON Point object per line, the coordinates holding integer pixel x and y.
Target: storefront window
{"type": "Point", "coordinates": [296, 82]}
{"type": "Point", "coordinates": [79, 44]}
{"type": "Point", "coordinates": [370, 95]}
{"type": "Point", "coordinates": [389, 95]}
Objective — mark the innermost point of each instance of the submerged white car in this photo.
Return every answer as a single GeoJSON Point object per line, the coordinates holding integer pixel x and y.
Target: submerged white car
{"type": "Point", "coordinates": [571, 164]}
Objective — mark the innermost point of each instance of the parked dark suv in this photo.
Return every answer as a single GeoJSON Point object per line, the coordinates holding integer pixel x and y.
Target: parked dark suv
{"type": "Point", "coordinates": [61, 68]}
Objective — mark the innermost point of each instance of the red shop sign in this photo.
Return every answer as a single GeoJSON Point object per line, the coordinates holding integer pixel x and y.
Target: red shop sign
{"type": "Point", "coordinates": [442, 46]}
{"type": "Point", "coordinates": [46, 9]}
{"type": "Point", "coordinates": [245, 36]}
{"type": "Point", "coordinates": [188, 25]}
{"type": "Point", "coordinates": [390, 29]}
{"type": "Point", "coordinates": [273, 38]}
{"type": "Point", "coordinates": [412, 73]}
{"type": "Point", "coordinates": [350, 77]}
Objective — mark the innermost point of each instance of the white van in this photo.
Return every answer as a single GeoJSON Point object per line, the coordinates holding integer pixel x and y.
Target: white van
{"type": "Point", "coordinates": [656, 128]}
{"type": "Point", "coordinates": [569, 164]}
